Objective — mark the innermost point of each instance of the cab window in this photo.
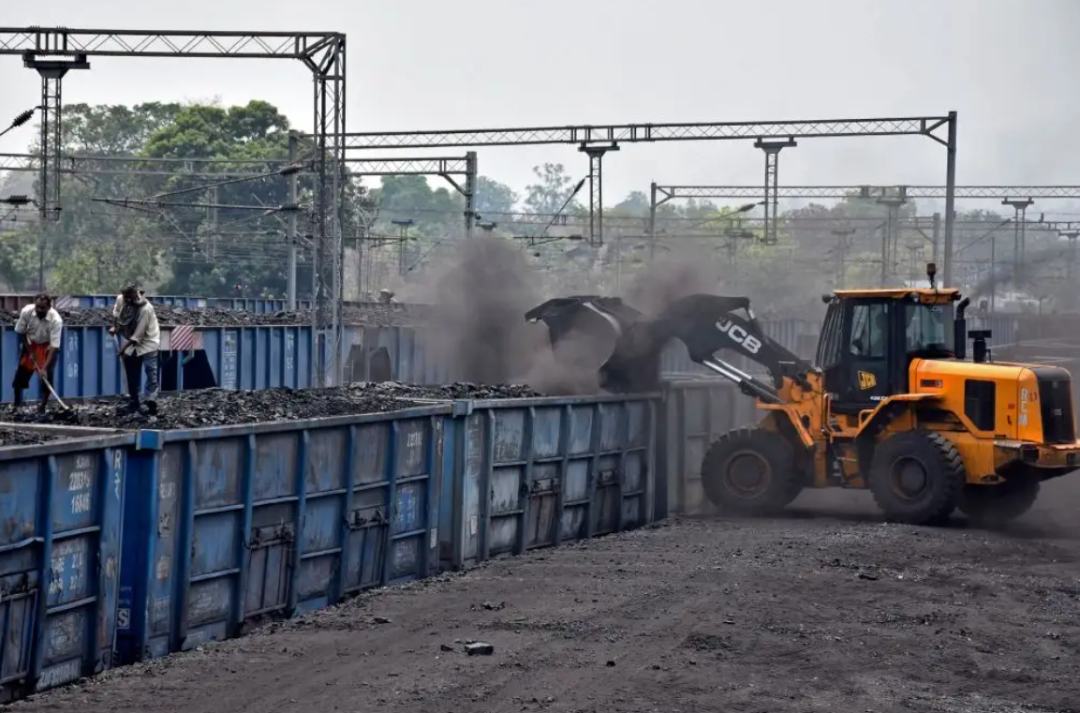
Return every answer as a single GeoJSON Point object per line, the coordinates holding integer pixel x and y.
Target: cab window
{"type": "Point", "coordinates": [928, 327]}
{"type": "Point", "coordinates": [870, 331]}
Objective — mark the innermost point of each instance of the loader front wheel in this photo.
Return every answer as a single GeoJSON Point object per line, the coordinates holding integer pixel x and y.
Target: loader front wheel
{"type": "Point", "coordinates": [751, 471]}
{"type": "Point", "coordinates": [993, 506]}
{"type": "Point", "coordinates": [917, 477]}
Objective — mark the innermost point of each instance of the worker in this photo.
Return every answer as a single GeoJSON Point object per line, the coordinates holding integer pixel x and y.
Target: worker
{"type": "Point", "coordinates": [117, 307]}
{"type": "Point", "coordinates": [138, 324]}
{"type": "Point", "coordinates": [39, 327]}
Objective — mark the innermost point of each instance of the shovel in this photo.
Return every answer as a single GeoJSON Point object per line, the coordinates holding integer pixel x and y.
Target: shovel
{"type": "Point", "coordinates": [120, 359]}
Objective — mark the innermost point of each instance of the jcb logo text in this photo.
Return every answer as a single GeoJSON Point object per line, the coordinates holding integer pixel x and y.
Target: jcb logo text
{"type": "Point", "coordinates": [738, 334]}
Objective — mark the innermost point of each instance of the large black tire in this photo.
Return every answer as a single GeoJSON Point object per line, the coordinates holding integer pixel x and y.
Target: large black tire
{"type": "Point", "coordinates": [917, 477]}
{"type": "Point", "coordinates": [994, 506]}
{"type": "Point", "coordinates": [751, 471]}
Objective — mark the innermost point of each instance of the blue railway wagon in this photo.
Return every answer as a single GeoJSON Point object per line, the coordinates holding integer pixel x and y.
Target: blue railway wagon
{"type": "Point", "coordinates": [250, 358]}
{"type": "Point", "coordinates": [528, 473]}
{"type": "Point", "coordinates": [231, 357]}
{"type": "Point", "coordinates": [60, 541]}
{"type": "Point", "coordinates": [410, 361]}
{"type": "Point", "coordinates": [228, 526]}
{"type": "Point", "coordinates": [250, 304]}
{"type": "Point", "coordinates": [695, 412]}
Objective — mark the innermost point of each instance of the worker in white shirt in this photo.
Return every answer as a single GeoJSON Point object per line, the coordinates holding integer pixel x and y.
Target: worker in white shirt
{"type": "Point", "coordinates": [39, 327]}
{"type": "Point", "coordinates": [138, 324]}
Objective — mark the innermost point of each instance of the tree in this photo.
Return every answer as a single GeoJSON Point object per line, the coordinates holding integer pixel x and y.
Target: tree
{"type": "Point", "coordinates": [552, 191]}
{"type": "Point", "coordinates": [214, 249]}
{"type": "Point", "coordinates": [180, 248]}
{"type": "Point", "coordinates": [78, 252]}
{"type": "Point", "coordinates": [494, 197]}
{"type": "Point", "coordinates": [636, 203]}
{"type": "Point", "coordinates": [114, 130]}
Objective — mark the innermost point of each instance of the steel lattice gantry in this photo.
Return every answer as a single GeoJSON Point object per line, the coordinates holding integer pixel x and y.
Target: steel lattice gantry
{"type": "Point", "coordinates": [208, 168]}
{"type": "Point", "coordinates": [667, 193]}
{"type": "Point", "coordinates": [596, 140]}
{"type": "Point", "coordinates": [54, 51]}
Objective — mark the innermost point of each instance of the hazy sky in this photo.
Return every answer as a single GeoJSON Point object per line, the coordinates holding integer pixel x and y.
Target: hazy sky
{"type": "Point", "coordinates": [1008, 67]}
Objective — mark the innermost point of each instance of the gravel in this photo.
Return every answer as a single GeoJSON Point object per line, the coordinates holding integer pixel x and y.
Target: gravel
{"type": "Point", "coordinates": [14, 437]}
{"type": "Point", "coordinates": [373, 316]}
{"type": "Point", "coordinates": [219, 407]}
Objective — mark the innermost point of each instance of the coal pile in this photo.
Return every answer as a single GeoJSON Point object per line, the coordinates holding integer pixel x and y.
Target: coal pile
{"type": "Point", "coordinates": [460, 390]}
{"type": "Point", "coordinates": [14, 437]}
{"type": "Point", "coordinates": [367, 316]}
{"type": "Point", "coordinates": [206, 408]}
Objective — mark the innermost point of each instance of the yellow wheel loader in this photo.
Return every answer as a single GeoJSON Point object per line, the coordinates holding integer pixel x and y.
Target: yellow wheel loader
{"type": "Point", "coordinates": [892, 404]}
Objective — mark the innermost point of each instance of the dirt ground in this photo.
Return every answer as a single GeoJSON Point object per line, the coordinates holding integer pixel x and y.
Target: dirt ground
{"type": "Point", "coordinates": [828, 610]}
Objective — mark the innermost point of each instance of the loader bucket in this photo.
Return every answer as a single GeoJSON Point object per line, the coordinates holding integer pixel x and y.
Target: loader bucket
{"type": "Point", "coordinates": [605, 335]}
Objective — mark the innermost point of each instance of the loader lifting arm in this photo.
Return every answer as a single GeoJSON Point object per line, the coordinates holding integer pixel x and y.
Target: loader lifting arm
{"type": "Point", "coordinates": [707, 325]}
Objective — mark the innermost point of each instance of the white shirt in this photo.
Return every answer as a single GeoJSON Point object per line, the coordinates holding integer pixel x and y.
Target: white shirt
{"type": "Point", "coordinates": [146, 334]}
{"type": "Point", "coordinates": [40, 331]}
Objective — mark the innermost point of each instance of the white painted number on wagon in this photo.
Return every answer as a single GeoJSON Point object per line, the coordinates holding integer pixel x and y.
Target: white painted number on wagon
{"type": "Point", "coordinates": [80, 503]}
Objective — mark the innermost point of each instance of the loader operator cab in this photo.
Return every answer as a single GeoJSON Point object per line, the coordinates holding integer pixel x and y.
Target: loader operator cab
{"type": "Point", "coordinates": [869, 338]}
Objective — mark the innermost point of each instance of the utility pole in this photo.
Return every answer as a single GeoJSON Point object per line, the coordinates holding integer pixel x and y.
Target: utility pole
{"type": "Point", "coordinates": [842, 246]}
{"type": "Point", "coordinates": [890, 237]}
{"type": "Point", "coordinates": [913, 262]}
{"type": "Point", "coordinates": [652, 221]}
{"type": "Point", "coordinates": [733, 235]}
{"type": "Point", "coordinates": [1070, 263]}
{"type": "Point", "coordinates": [293, 209]}
{"type": "Point", "coordinates": [950, 198]}
{"type": "Point", "coordinates": [772, 184]}
{"type": "Point", "coordinates": [596, 189]}
{"type": "Point", "coordinates": [1019, 207]}
{"type": "Point", "coordinates": [472, 180]}
{"type": "Point", "coordinates": [993, 272]}
{"type": "Point", "coordinates": [403, 237]}
{"type": "Point", "coordinates": [212, 219]}
{"type": "Point", "coordinates": [935, 240]}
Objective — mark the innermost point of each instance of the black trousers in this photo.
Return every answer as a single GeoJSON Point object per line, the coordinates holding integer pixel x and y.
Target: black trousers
{"type": "Point", "coordinates": [21, 382]}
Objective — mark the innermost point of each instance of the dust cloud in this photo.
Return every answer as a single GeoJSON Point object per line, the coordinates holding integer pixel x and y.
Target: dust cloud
{"type": "Point", "coordinates": [678, 273]}
{"type": "Point", "coordinates": [483, 290]}
{"type": "Point", "coordinates": [480, 298]}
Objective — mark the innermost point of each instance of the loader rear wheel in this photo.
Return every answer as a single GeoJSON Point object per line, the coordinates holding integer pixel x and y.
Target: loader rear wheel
{"type": "Point", "coordinates": [917, 477]}
{"type": "Point", "coordinates": [751, 471]}
{"type": "Point", "coordinates": [996, 505]}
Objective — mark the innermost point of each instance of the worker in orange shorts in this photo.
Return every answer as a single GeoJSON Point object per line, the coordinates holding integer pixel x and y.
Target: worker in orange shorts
{"type": "Point", "coordinates": [39, 327]}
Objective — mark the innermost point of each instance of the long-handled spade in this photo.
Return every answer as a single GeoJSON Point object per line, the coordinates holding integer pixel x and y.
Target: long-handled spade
{"type": "Point", "coordinates": [120, 360]}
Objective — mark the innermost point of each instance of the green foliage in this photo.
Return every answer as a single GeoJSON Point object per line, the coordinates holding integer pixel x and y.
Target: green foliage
{"type": "Point", "coordinates": [551, 191]}
{"type": "Point", "coordinates": [175, 247]}
{"type": "Point", "coordinates": [494, 197]}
